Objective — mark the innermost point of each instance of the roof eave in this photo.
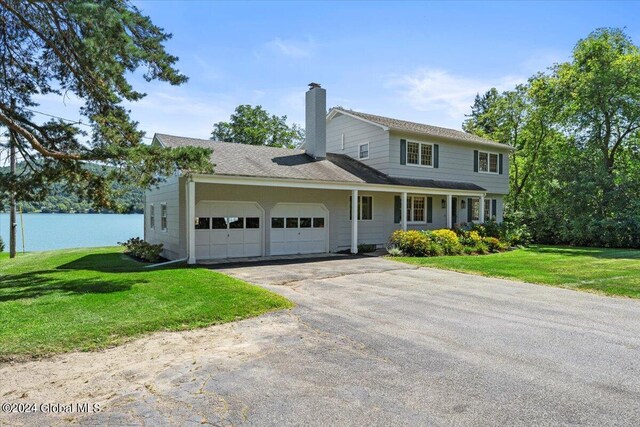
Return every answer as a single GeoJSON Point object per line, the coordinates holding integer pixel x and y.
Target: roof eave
{"type": "Point", "coordinates": [326, 185]}
{"type": "Point", "coordinates": [334, 111]}
{"type": "Point", "coordinates": [453, 139]}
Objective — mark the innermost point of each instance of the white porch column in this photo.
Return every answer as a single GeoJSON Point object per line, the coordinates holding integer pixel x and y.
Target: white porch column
{"type": "Point", "coordinates": [403, 213]}
{"type": "Point", "coordinates": [354, 221]}
{"type": "Point", "coordinates": [190, 220]}
{"type": "Point", "coordinates": [449, 211]}
{"type": "Point", "coordinates": [482, 209]}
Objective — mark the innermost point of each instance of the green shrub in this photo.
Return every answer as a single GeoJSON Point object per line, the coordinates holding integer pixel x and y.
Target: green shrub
{"type": "Point", "coordinates": [138, 248]}
{"type": "Point", "coordinates": [468, 250]}
{"type": "Point", "coordinates": [415, 243]}
{"type": "Point", "coordinates": [448, 240]}
{"type": "Point", "coordinates": [514, 231]}
{"type": "Point", "coordinates": [469, 238]}
{"type": "Point", "coordinates": [493, 244]}
{"type": "Point", "coordinates": [481, 248]}
{"type": "Point", "coordinates": [492, 229]}
{"type": "Point", "coordinates": [394, 251]}
{"type": "Point", "coordinates": [479, 228]}
{"type": "Point", "coordinates": [364, 248]}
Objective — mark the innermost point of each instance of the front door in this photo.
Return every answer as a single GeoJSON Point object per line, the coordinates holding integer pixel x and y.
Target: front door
{"type": "Point", "coordinates": [454, 210]}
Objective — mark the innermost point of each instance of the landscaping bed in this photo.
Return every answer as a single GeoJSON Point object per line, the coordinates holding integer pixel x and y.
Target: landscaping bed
{"type": "Point", "coordinates": [474, 239]}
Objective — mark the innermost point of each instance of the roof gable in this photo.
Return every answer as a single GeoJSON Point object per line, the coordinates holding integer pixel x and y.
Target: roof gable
{"type": "Point", "coordinates": [390, 124]}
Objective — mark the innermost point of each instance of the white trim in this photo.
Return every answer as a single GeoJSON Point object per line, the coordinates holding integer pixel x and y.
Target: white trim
{"type": "Point", "coordinates": [333, 112]}
{"type": "Point", "coordinates": [426, 205]}
{"type": "Point", "coordinates": [163, 207]}
{"type": "Point", "coordinates": [489, 153]}
{"type": "Point", "coordinates": [152, 214]}
{"type": "Point", "coordinates": [360, 145]}
{"type": "Point", "coordinates": [403, 212]}
{"type": "Point", "coordinates": [420, 144]}
{"type": "Point", "coordinates": [449, 211]}
{"type": "Point", "coordinates": [190, 221]}
{"type": "Point", "coordinates": [491, 213]}
{"type": "Point", "coordinates": [326, 220]}
{"type": "Point", "coordinates": [263, 222]}
{"type": "Point", "coordinates": [342, 142]}
{"type": "Point", "coordinates": [496, 145]}
{"type": "Point", "coordinates": [354, 221]}
{"type": "Point", "coordinates": [360, 207]}
{"type": "Point", "coordinates": [327, 185]}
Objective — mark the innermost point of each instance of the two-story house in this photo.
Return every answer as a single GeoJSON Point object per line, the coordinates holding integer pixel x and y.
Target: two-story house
{"type": "Point", "coordinates": [357, 178]}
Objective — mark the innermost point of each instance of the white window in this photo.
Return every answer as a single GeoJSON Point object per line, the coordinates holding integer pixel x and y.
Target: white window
{"type": "Point", "coordinates": [487, 162]}
{"type": "Point", "coordinates": [416, 208]}
{"type": "Point", "coordinates": [419, 154]}
{"type": "Point", "coordinates": [152, 217]}
{"type": "Point", "coordinates": [163, 216]}
{"type": "Point", "coordinates": [363, 151]}
{"type": "Point", "coordinates": [488, 209]}
{"type": "Point", "coordinates": [475, 209]}
{"type": "Point", "coordinates": [365, 208]}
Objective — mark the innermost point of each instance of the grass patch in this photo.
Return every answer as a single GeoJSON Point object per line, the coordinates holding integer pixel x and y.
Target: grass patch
{"type": "Point", "coordinates": [606, 271]}
{"type": "Point", "coordinates": [92, 298]}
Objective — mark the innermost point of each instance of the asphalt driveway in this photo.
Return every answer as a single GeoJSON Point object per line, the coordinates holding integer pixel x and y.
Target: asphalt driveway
{"type": "Point", "coordinates": [373, 342]}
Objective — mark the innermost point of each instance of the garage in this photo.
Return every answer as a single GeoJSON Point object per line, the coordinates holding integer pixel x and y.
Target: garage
{"type": "Point", "coordinates": [299, 228]}
{"type": "Point", "coordinates": [228, 229]}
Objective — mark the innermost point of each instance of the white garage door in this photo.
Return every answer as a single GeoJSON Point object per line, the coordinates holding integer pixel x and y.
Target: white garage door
{"type": "Point", "coordinates": [298, 228]}
{"type": "Point", "coordinates": [228, 229]}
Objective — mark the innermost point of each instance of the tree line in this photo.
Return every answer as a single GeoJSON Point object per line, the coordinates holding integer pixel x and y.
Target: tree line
{"type": "Point", "coordinates": [575, 173]}
{"type": "Point", "coordinates": [59, 198]}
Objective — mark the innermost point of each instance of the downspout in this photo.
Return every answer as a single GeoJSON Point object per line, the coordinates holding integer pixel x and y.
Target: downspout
{"type": "Point", "coordinates": [162, 264]}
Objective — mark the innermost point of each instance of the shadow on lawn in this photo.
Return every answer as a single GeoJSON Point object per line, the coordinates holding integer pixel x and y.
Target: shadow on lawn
{"type": "Point", "coordinates": [603, 253]}
{"type": "Point", "coordinates": [63, 278]}
{"type": "Point", "coordinates": [104, 263]}
{"type": "Point", "coordinates": [46, 282]}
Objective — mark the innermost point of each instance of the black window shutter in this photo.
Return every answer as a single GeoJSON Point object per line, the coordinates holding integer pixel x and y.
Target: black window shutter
{"type": "Point", "coordinates": [429, 209]}
{"type": "Point", "coordinates": [494, 206]}
{"type": "Point", "coordinates": [403, 151]}
{"type": "Point", "coordinates": [500, 163]}
{"type": "Point", "coordinates": [436, 155]}
{"type": "Point", "coordinates": [475, 160]}
{"type": "Point", "coordinates": [350, 210]}
{"type": "Point", "coordinates": [469, 214]}
{"type": "Point", "coordinates": [397, 210]}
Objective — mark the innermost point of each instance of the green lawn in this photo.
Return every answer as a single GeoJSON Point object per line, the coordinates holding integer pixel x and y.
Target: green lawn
{"type": "Point", "coordinates": [606, 271]}
{"type": "Point", "coordinates": [83, 299]}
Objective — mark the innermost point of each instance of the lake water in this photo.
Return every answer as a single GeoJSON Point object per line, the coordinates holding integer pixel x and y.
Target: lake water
{"type": "Point", "coordinates": [58, 231]}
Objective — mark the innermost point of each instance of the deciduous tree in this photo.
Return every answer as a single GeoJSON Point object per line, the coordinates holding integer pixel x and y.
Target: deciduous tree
{"type": "Point", "coordinates": [255, 126]}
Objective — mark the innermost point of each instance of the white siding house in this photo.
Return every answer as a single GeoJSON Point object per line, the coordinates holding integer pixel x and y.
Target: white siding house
{"type": "Point", "coordinates": [275, 201]}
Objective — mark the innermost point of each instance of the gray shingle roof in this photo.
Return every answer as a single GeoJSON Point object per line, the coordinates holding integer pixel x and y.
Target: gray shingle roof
{"type": "Point", "coordinates": [420, 128]}
{"type": "Point", "coordinates": [232, 159]}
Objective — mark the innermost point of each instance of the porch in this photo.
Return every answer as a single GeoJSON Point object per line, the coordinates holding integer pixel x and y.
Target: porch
{"type": "Point", "coordinates": [247, 218]}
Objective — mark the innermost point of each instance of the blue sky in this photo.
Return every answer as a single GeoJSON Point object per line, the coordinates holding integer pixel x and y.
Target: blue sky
{"type": "Point", "coordinates": [412, 60]}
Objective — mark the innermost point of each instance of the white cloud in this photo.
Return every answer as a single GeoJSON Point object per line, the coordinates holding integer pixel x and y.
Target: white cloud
{"type": "Point", "coordinates": [178, 113]}
{"type": "Point", "coordinates": [292, 48]}
{"type": "Point", "coordinates": [438, 90]}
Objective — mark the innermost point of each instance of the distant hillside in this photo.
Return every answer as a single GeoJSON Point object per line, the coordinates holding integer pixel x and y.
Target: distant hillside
{"type": "Point", "coordinates": [60, 201]}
